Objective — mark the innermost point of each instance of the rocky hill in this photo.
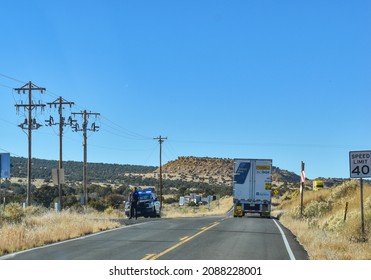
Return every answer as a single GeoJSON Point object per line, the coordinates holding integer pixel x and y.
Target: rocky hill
{"type": "Point", "coordinates": [216, 170]}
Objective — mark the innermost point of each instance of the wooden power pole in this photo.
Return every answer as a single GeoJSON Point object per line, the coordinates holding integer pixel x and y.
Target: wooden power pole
{"type": "Point", "coordinates": [29, 124]}
{"type": "Point", "coordinates": [59, 103]}
{"type": "Point", "coordinates": [85, 115]}
{"type": "Point", "coordinates": [160, 141]}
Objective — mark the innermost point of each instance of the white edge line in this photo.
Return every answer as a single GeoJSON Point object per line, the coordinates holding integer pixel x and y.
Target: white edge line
{"type": "Point", "coordinates": [287, 245]}
{"type": "Point", "coordinates": [66, 241]}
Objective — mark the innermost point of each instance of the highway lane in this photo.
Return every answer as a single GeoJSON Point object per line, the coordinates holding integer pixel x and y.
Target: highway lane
{"type": "Point", "coordinates": [205, 238]}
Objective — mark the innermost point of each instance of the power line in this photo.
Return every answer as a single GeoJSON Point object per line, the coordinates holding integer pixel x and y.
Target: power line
{"type": "Point", "coordinates": [11, 78]}
{"type": "Point", "coordinates": [1, 85]}
{"type": "Point", "coordinates": [10, 152]}
{"type": "Point", "coordinates": [128, 133]}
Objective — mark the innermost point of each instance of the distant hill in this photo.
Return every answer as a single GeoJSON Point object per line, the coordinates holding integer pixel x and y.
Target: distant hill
{"type": "Point", "coordinates": [197, 170]}
{"type": "Point", "coordinates": [220, 170]}
{"type": "Point", "coordinates": [217, 169]}
{"type": "Point", "coordinates": [42, 169]}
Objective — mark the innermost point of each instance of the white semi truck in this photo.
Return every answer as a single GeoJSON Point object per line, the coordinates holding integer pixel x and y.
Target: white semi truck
{"type": "Point", "coordinates": [252, 187]}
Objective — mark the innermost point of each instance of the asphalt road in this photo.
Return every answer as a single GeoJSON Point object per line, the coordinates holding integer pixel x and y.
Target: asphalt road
{"type": "Point", "coordinates": [206, 238]}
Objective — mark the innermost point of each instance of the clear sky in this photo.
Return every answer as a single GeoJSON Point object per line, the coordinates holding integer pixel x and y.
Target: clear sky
{"type": "Point", "coordinates": [287, 80]}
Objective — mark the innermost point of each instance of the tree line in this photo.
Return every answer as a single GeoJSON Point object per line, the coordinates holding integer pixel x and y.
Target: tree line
{"type": "Point", "coordinates": [114, 187]}
{"type": "Point", "coordinates": [42, 169]}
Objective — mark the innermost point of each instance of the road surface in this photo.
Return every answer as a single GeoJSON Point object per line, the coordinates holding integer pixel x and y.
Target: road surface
{"type": "Point", "coordinates": [205, 238]}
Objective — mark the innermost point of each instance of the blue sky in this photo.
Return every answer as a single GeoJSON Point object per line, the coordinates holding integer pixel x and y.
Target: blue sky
{"type": "Point", "coordinates": [287, 80]}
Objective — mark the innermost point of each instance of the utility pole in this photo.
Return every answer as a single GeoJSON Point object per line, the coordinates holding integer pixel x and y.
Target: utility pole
{"type": "Point", "coordinates": [85, 115]}
{"type": "Point", "coordinates": [60, 102]}
{"type": "Point", "coordinates": [29, 124]}
{"type": "Point", "coordinates": [160, 140]}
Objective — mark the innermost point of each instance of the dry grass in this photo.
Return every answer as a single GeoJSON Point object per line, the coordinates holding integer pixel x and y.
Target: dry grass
{"type": "Point", "coordinates": [48, 227]}
{"type": "Point", "coordinates": [219, 207]}
{"type": "Point", "coordinates": [322, 229]}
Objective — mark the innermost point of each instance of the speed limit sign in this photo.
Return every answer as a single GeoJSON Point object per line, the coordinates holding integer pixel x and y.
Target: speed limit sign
{"type": "Point", "coordinates": [360, 164]}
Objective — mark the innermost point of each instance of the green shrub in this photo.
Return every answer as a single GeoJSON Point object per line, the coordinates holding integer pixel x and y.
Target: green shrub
{"type": "Point", "coordinates": [13, 213]}
{"type": "Point", "coordinates": [192, 204]}
{"type": "Point", "coordinates": [316, 209]}
{"type": "Point", "coordinates": [109, 210]}
{"type": "Point", "coordinates": [334, 224]}
{"type": "Point", "coordinates": [295, 213]}
{"type": "Point", "coordinates": [170, 200]}
{"type": "Point", "coordinates": [343, 191]}
{"type": "Point", "coordinates": [97, 204]}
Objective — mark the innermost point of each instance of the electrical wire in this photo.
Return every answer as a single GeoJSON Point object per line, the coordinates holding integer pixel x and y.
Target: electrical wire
{"type": "Point", "coordinates": [128, 133]}
{"type": "Point", "coordinates": [11, 78]}
{"type": "Point", "coordinates": [1, 85]}
{"type": "Point", "coordinates": [10, 152]}
{"type": "Point", "coordinates": [105, 124]}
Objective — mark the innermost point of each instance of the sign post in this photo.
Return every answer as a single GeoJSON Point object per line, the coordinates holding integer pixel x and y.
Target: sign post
{"type": "Point", "coordinates": [360, 167]}
{"type": "Point", "coordinates": [4, 170]}
{"type": "Point", "coordinates": [5, 165]}
{"type": "Point", "coordinates": [302, 182]}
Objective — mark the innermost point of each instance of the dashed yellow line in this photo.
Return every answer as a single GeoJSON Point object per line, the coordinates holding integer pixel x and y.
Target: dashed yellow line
{"type": "Point", "coordinates": [182, 241]}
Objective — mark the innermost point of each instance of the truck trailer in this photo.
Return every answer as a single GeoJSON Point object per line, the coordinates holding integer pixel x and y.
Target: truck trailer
{"type": "Point", "coordinates": [252, 187]}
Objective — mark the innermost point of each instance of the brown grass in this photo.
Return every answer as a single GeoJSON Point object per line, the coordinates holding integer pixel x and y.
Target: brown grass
{"type": "Point", "coordinates": [219, 207]}
{"type": "Point", "coordinates": [322, 229]}
{"type": "Point", "coordinates": [49, 227]}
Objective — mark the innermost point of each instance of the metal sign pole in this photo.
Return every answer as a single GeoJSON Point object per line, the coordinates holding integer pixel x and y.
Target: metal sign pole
{"type": "Point", "coordinates": [360, 167]}
{"type": "Point", "coordinates": [362, 212]}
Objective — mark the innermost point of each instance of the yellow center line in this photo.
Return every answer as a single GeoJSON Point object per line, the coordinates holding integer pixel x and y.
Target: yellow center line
{"type": "Point", "coordinates": [183, 240]}
{"type": "Point", "coordinates": [185, 237]}
{"type": "Point", "coordinates": [148, 256]}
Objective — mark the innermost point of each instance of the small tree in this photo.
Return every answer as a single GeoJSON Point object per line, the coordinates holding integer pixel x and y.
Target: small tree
{"type": "Point", "coordinates": [114, 200]}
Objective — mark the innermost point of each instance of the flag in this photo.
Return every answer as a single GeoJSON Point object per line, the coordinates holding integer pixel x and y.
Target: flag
{"type": "Point", "coordinates": [302, 177]}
